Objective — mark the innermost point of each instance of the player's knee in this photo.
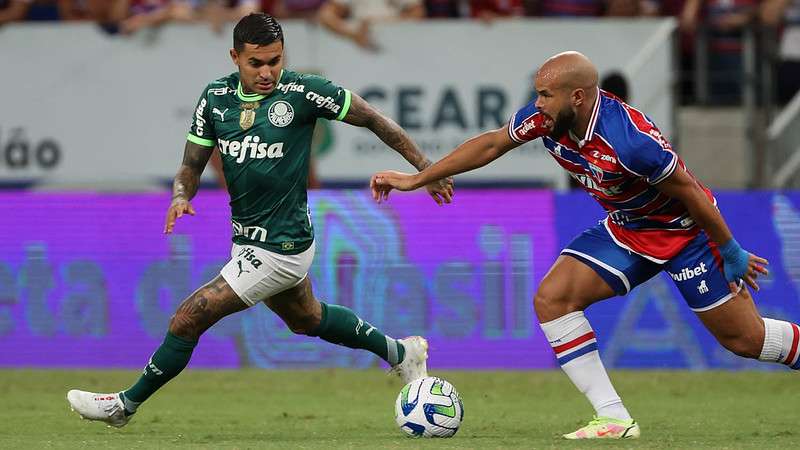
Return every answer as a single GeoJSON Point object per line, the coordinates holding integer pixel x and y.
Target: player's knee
{"type": "Point", "coordinates": [744, 345]}
{"type": "Point", "coordinates": [192, 318]}
{"type": "Point", "coordinates": [183, 325]}
{"type": "Point", "coordinates": [549, 303]}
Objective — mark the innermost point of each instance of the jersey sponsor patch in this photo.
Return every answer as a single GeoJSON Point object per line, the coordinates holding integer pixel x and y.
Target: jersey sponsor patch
{"type": "Point", "coordinates": [280, 113]}
{"type": "Point", "coordinates": [324, 102]}
{"type": "Point", "coordinates": [221, 91]}
{"type": "Point", "coordinates": [199, 118]}
{"type": "Point", "coordinates": [251, 147]}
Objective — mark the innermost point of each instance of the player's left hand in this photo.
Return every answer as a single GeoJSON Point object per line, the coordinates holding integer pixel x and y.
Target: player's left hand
{"type": "Point", "coordinates": [740, 264]}
{"type": "Point", "coordinates": [441, 191]}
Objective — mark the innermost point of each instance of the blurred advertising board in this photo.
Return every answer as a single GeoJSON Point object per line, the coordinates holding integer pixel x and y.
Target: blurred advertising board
{"type": "Point", "coordinates": [89, 280]}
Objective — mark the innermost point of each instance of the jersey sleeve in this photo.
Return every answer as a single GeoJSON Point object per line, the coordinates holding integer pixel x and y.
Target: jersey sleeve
{"type": "Point", "coordinates": [645, 151]}
{"type": "Point", "coordinates": [201, 130]}
{"type": "Point", "coordinates": [325, 99]}
{"type": "Point", "coordinates": [527, 124]}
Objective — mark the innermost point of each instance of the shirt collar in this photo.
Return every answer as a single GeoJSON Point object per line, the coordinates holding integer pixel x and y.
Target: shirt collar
{"type": "Point", "coordinates": [254, 97]}
{"type": "Point", "coordinates": [592, 123]}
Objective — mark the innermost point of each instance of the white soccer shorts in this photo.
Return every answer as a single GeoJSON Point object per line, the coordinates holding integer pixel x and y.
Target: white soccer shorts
{"type": "Point", "coordinates": [256, 274]}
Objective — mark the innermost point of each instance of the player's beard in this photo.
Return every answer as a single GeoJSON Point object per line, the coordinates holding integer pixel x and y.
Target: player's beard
{"type": "Point", "coordinates": [564, 121]}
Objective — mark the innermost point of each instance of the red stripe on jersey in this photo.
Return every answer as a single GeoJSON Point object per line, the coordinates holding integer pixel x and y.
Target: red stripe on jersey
{"type": "Point", "coordinates": [574, 343]}
{"type": "Point", "coordinates": [658, 244]}
{"type": "Point", "coordinates": [645, 127]}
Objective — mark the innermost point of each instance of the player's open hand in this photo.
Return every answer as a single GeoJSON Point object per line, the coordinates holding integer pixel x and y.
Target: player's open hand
{"type": "Point", "coordinates": [178, 208]}
{"type": "Point", "coordinates": [755, 266]}
{"type": "Point", "coordinates": [441, 191]}
{"type": "Point", "coordinates": [738, 264]}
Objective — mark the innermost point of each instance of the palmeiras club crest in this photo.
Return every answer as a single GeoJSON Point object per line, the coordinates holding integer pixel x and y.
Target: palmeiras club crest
{"type": "Point", "coordinates": [280, 113]}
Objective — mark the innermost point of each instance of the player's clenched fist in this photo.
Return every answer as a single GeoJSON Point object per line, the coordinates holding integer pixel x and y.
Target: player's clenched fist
{"type": "Point", "coordinates": [178, 208]}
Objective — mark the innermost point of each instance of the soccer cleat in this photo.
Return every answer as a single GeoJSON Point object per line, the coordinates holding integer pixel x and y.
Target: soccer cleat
{"type": "Point", "coordinates": [106, 408]}
{"type": "Point", "coordinates": [607, 428]}
{"type": "Point", "coordinates": [414, 365]}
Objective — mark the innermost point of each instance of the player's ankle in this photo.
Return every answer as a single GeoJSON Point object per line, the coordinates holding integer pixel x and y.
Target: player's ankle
{"type": "Point", "coordinates": [614, 411]}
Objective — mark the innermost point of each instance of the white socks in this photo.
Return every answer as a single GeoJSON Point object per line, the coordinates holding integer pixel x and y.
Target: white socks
{"type": "Point", "coordinates": [781, 343]}
{"type": "Point", "coordinates": [575, 346]}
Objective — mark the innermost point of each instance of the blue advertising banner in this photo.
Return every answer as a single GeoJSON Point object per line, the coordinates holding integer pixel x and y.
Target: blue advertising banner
{"type": "Point", "coordinates": [89, 280]}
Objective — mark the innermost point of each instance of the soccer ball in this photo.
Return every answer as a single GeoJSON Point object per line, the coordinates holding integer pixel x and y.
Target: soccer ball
{"type": "Point", "coordinates": [429, 407]}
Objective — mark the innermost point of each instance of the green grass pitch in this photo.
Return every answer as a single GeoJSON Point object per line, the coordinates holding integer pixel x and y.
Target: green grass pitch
{"type": "Point", "coordinates": [332, 409]}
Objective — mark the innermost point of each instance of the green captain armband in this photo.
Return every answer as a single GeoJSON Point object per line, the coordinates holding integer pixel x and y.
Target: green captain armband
{"type": "Point", "coordinates": [199, 141]}
{"type": "Point", "coordinates": [346, 106]}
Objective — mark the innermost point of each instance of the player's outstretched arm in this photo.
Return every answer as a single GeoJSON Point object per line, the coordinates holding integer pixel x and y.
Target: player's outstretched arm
{"type": "Point", "coordinates": [362, 114]}
{"type": "Point", "coordinates": [738, 263]}
{"type": "Point", "coordinates": [475, 152]}
{"type": "Point", "coordinates": [187, 180]}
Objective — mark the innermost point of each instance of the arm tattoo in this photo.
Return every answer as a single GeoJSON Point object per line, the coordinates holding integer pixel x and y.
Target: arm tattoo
{"type": "Point", "coordinates": [195, 158]}
{"type": "Point", "coordinates": [361, 114]}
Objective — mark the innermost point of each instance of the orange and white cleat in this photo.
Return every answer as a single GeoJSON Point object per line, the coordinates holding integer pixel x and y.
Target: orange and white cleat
{"type": "Point", "coordinates": [607, 428]}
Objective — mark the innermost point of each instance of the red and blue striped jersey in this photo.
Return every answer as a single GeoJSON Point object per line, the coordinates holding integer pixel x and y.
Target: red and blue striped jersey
{"type": "Point", "coordinates": [619, 162]}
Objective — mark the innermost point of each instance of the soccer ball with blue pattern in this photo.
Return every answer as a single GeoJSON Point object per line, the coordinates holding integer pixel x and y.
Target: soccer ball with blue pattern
{"type": "Point", "coordinates": [429, 407]}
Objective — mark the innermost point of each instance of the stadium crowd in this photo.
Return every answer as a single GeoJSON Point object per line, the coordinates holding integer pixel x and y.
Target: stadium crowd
{"type": "Point", "coordinates": [721, 23]}
{"type": "Point", "coordinates": [131, 15]}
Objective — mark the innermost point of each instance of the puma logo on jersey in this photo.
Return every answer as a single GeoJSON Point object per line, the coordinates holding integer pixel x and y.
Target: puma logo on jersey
{"type": "Point", "coordinates": [251, 146]}
{"type": "Point", "coordinates": [221, 113]}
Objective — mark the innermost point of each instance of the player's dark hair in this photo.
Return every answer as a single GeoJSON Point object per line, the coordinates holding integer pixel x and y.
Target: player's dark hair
{"type": "Point", "coordinates": [256, 28]}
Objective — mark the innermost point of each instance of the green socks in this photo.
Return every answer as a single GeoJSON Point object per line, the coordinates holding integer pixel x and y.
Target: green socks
{"type": "Point", "coordinates": [339, 325]}
{"type": "Point", "coordinates": [167, 362]}
{"type": "Point", "coordinates": [342, 326]}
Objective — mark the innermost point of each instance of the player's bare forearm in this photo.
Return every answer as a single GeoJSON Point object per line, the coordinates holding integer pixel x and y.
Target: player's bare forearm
{"type": "Point", "coordinates": [362, 114]}
{"type": "Point", "coordinates": [474, 153]}
{"type": "Point", "coordinates": [187, 180]}
{"type": "Point", "coordinates": [680, 185]}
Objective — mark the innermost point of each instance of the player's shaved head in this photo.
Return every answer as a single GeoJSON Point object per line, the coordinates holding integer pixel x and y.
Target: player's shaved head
{"type": "Point", "coordinates": [566, 86]}
{"type": "Point", "coordinates": [569, 70]}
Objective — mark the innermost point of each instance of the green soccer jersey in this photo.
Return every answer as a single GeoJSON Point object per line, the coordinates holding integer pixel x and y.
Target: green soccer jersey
{"type": "Point", "coordinates": [265, 143]}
